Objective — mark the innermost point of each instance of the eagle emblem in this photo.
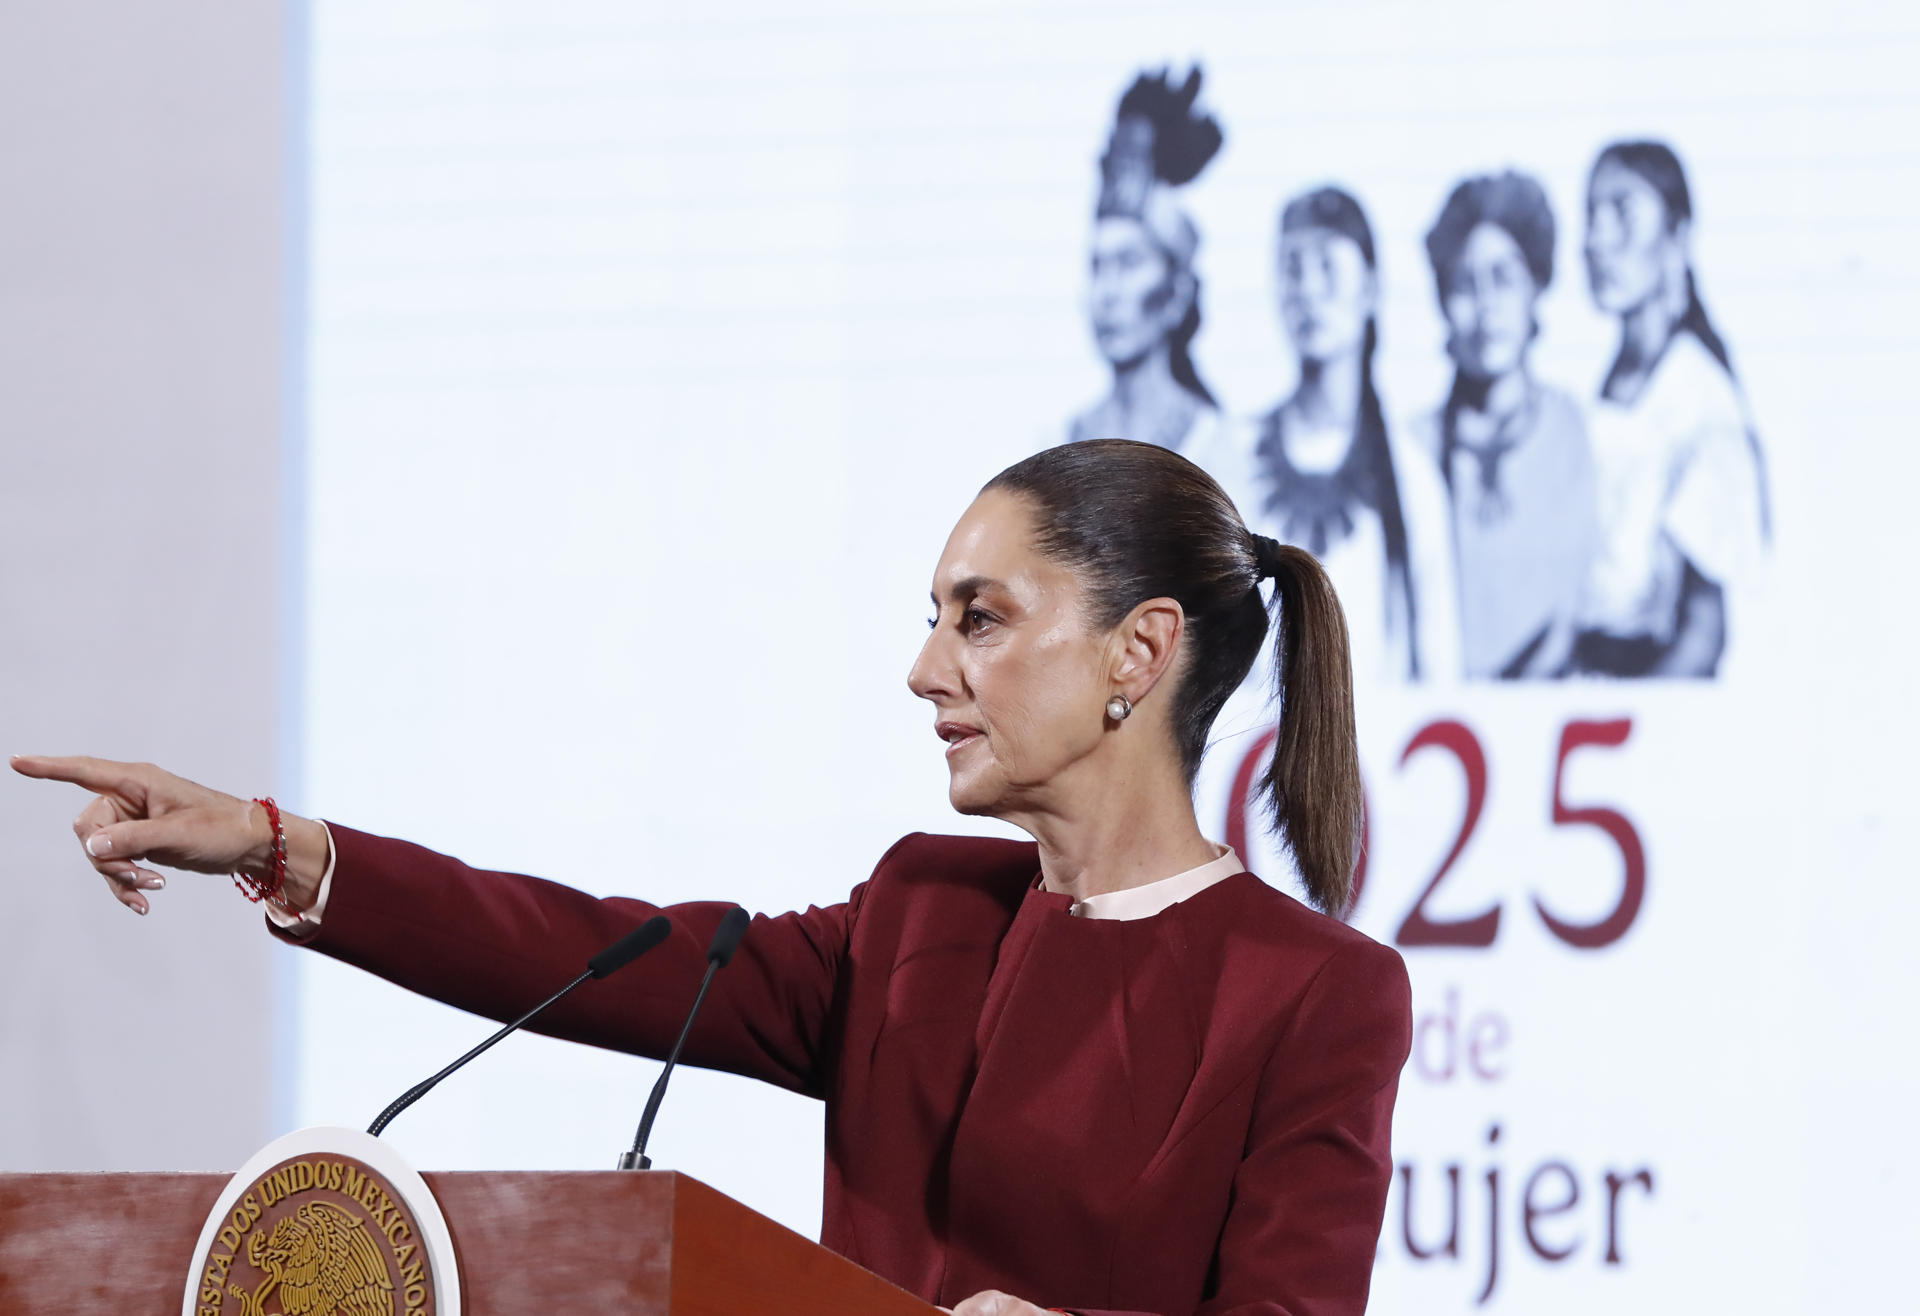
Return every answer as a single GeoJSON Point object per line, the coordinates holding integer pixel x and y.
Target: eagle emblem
{"type": "Point", "coordinates": [323, 1262]}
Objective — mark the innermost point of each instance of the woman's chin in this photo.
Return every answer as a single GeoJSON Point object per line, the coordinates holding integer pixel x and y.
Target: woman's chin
{"type": "Point", "coordinates": [967, 803]}
{"type": "Point", "coordinates": [968, 795]}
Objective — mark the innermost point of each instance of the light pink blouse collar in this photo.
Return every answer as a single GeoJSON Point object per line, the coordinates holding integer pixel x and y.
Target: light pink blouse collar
{"type": "Point", "coordinates": [1151, 898]}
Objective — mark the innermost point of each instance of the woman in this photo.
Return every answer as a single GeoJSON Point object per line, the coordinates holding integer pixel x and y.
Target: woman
{"type": "Point", "coordinates": [1326, 476]}
{"type": "Point", "coordinates": [1682, 494]}
{"type": "Point", "coordinates": [1107, 1070]}
{"type": "Point", "coordinates": [1513, 451]}
{"type": "Point", "coordinates": [1143, 298]}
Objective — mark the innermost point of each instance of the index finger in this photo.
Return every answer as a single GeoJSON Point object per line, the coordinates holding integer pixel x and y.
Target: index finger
{"type": "Point", "coordinates": [97, 775]}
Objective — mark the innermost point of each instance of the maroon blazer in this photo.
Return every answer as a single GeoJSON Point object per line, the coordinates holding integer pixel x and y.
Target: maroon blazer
{"type": "Point", "coordinates": [1186, 1113]}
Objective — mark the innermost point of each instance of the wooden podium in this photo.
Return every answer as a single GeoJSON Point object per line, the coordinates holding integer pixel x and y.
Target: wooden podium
{"type": "Point", "coordinates": [526, 1242]}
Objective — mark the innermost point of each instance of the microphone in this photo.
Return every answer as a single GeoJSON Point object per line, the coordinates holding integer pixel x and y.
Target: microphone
{"type": "Point", "coordinates": [726, 940]}
{"type": "Point", "coordinates": [609, 961]}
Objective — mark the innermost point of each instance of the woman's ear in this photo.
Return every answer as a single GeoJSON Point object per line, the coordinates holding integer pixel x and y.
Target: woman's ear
{"type": "Point", "coordinates": [1144, 647]}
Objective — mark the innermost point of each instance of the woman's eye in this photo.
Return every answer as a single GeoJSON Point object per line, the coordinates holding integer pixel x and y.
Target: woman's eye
{"type": "Point", "coordinates": [975, 619]}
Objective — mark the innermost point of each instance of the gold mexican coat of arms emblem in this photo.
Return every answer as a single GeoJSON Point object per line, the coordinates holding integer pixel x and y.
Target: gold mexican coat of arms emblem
{"type": "Point", "coordinates": [317, 1235]}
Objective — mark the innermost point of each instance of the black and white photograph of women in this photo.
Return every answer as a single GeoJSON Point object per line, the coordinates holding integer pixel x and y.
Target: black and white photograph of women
{"type": "Point", "coordinates": [1328, 475]}
{"type": "Point", "coordinates": [1143, 295]}
{"type": "Point", "coordinates": [1682, 489]}
{"type": "Point", "coordinates": [1512, 449]}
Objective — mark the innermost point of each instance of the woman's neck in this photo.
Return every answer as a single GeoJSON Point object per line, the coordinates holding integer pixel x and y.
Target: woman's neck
{"type": "Point", "coordinates": [1499, 398]}
{"type": "Point", "coordinates": [1147, 403]}
{"type": "Point", "coordinates": [1322, 416]}
{"type": "Point", "coordinates": [1329, 392]}
{"type": "Point", "coordinates": [1145, 386]}
{"type": "Point", "coordinates": [1645, 332]}
{"type": "Point", "coordinates": [1135, 826]}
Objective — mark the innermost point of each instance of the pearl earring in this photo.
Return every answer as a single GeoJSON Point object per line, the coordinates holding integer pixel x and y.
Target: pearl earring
{"type": "Point", "coordinates": [1118, 707]}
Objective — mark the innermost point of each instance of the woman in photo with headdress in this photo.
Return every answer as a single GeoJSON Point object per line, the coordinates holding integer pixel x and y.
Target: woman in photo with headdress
{"type": "Point", "coordinates": [1326, 476]}
{"type": "Point", "coordinates": [1143, 298]}
{"type": "Point", "coordinates": [1682, 492]}
{"type": "Point", "coordinates": [1512, 450]}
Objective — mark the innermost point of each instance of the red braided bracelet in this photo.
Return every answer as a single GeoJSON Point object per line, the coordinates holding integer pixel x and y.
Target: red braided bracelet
{"type": "Point", "coordinates": [258, 889]}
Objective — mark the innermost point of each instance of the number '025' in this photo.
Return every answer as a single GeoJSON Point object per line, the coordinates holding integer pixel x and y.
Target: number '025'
{"type": "Point", "coordinates": [1419, 928]}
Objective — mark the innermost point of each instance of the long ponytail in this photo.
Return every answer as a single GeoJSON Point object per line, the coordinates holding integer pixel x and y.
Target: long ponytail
{"type": "Point", "coordinates": [1136, 521]}
{"type": "Point", "coordinates": [1312, 786]}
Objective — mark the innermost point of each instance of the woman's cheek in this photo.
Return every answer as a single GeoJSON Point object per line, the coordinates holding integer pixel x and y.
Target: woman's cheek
{"type": "Point", "coordinates": [1344, 326]}
{"type": "Point", "coordinates": [1461, 337]}
{"type": "Point", "coordinates": [1635, 271]}
{"type": "Point", "coordinates": [1509, 333]}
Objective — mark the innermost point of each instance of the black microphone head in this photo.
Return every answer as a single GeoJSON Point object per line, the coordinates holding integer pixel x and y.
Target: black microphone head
{"type": "Point", "coordinates": [726, 939]}
{"type": "Point", "coordinates": [630, 947]}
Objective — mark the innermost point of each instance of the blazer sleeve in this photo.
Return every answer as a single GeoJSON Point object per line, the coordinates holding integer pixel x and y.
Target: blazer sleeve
{"type": "Point", "coordinates": [1311, 1190]}
{"type": "Point", "coordinates": [498, 943]}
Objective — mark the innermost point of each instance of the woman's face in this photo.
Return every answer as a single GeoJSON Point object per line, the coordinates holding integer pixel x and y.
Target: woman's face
{"type": "Point", "coordinates": [1134, 293]}
{"type": "Point", "coordinates": [1017, 681]}
{"type": "Point", "coordinates": [1326, 292]}
{"type": "Point", "coordinates": [1489, 300]}
{"type": "Point", "coordinates": [1630, 242]}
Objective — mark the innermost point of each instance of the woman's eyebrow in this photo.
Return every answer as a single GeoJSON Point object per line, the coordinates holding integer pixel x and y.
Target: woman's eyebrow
{"type": "Point", "coordinates": [970, 587]}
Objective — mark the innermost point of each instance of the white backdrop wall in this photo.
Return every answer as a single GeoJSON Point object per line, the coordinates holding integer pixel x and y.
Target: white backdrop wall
{"type": "Point", "coordinates": [653, 354]}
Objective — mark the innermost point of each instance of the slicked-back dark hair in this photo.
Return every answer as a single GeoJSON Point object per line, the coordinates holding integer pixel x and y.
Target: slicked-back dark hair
{"type": "Point", "coordinates": [1135, 521]}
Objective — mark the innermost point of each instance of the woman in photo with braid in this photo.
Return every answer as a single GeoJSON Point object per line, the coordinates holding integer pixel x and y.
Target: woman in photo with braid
{"type": "Point", "coordinates": [1683, 505]}
{"type": "Point", "coordinates": [1326, 475]}
{"type": "Point", "coordinates": [1143, 297]}
{"type": "Point", "coordinates": [1512, 450]}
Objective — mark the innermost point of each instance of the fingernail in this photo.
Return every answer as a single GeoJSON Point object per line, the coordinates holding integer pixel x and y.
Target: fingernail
{"type": "Point", "coordinates": [99, 845]}
{"type": "Point", "coordinates": [154, 883]}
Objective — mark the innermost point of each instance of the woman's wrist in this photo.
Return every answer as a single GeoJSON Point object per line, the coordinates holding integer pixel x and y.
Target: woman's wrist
{"type": "Point", "coordinates": [308, 850]}
{"type": "Point", "coordinates": [307, 854]}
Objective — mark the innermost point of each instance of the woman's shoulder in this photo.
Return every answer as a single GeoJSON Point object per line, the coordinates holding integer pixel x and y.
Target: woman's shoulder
{"type": "Point", "coordinates": [1273, 972]}
{"type": "Point", "coordinates": [922, 858]}
{"type": "Point", "coordinates": [1222, 445]}
{"type": "Point", "coordinates": [943, 890]}
{"type": "Point", "coordinates": [1097, 420]}
{"type": "Point", "coordinates": [1421, 432]}
{"type": "Point", "coordinates": [1691, 388]}
{"type": "Point", "coordinates": [1272, 921]}
{"type": "Point", "coordinates": [1558, 405]}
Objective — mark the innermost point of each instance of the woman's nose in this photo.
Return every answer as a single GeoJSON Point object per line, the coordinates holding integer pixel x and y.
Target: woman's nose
{"type": "Point", "coordinates": [1482, 301]}
{"type": "Point", "coordinates": [922, 677]}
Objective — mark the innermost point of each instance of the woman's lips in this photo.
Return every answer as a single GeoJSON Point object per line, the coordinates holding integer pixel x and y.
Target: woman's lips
{"type": "Point", "coordinates": [958, 735]}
